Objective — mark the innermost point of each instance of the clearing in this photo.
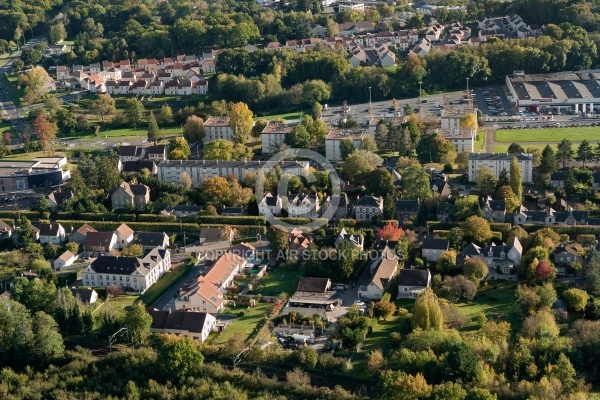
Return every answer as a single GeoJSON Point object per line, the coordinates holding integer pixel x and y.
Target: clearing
{"type": "Point", "coordinates": [282, 279]}
{"type": "Point", "coordinates": [243, 326]}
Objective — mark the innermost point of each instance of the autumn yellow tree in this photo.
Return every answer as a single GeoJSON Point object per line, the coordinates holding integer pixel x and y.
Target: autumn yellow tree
{"type": "Point", "coordinates": [45, 130]}
{"type": "Point", "coordinates": [35, 83]}
{"type": "Point", "coordinates": [240, 121]}
{"type": "Point", "coordinates": [468, 121]}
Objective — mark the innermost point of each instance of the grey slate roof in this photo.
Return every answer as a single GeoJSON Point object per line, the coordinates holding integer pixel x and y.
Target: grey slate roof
{"type": "Point", "coordinates": [413, 277]}
{"type": "Point", "coordinates": [436, 244]}
{"type": "Point", "coordinates": [369, 201]}
{"type": "Point", "coordinates": [412, 206]}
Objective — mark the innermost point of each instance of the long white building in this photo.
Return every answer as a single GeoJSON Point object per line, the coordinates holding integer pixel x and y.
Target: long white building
{"type": "Point", "coordinates": [497, 162]}
{"type": "Point", "coordinates": [273, 135]}
{"type": "Point", "coordinates": [169, 171]}
{"type": "Point", "coordinates": [130, 273]}
{"type": "Point", "coordinates": [335, 137]}
{"type": "Point", "coordinates": [217, 128]}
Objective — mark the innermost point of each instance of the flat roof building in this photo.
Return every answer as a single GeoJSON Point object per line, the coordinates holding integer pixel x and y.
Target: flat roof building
{"type": "Point", "coordinates": [273, 135]}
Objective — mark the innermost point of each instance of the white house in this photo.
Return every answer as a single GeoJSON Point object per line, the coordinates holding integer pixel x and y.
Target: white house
{"type": "Point", "coordinates": [124, 236]}
{"type": "Point", "coordinates": [433, 249]}
{"type": "Point", "coordinates": [302, 205]}
{"type": "Point", "coordinates": [368, 206]}
{"type": "Point", "coordinates": [413, 282]}
{"type": "Point", "coordinates": [193, 325]}
{"type": "Point", "coordinates": [130, 273]}
{"type": "Point", "coordinates": [51, 233]}
{"type": "Point", "coordinates": [67, 258]}
{"type": "Point", "coordinates": [383, 271]}
{"type": "Point", "coordinates": [270, 204]}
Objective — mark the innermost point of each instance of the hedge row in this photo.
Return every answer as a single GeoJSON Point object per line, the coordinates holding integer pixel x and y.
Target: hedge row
{"type": "Point", "coordinates": [169, 227]}
{"type": "Point", "coordinates": [117, 217]}
{"type": "Point", "coordinates": [242, 229]}
{"type": "Point", "coordinates": [567, 230]}
{"type": "Point", "coordinates": [503, 227]}
{"type": "Point", "coordinates": [14, 214]}
{"type": "Point", "coordinates": [247, 220]}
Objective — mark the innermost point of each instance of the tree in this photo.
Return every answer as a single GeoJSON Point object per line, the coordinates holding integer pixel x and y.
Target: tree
{"type": "Point", "coordinates": [369, 144]}
{"type": "Point", "coordinates": [153, 129]}
{"type": "Point", "coordinates": [462, 160]}
{"type": "Point", "coordinates": [585, 152]}
{"type": "Point", "coordinates": [570, 183]}
{"type": "Point", "coordinates": [379, 182]}
{"type": "Point", "coordinates": [544, 271]}
{"type": "Point", "coordinates": [461, 362]}
{"type": "Point", "coordinates": [134, 112]}
{"type": "Point", "coordinates": [47, 342]}
{"type": "Point", "coordinates": [427, 313]}
{"type": "Point", "coordinates": [103, 106]}
{"type": "Point", "coordinates": [219, 149]}
{"type": "Point", "coordinates": [214, 190]}
{"type": "Point", "coordinates": [138, 323]}
{"type": "Point", "coordinates": [516, 183]}
{"type": "Point", "coordinates": [193, 129]}
{"type": "Point", "coordinates": [179, 144]}
{"type": "Point", "coordinates": [408, 109]}
{"type": "Point", "coordinates": [308, 357]}
{"type": "Point", "coordinates": [178, 357]}
{"type": "Point", "coordinates": [35, 83]}
{"type": "Point", "coordinates": [475, 269]}
{"type": "Point", "coordinates": [315, 91]}
{"type": "Point", "coordinates": [576, 299]}
{"type": "Point", "coordinates": [357, 166]}
{"type": "Point", "coordinates": [31, 56]}
{"type": "Point", "coordinates": [278, 239]}
{"type": "Point", "coordinates": [564, 152]}
{"type": "Point", "coordinates": [485, 180]}
{"type": "Point", "coordinates": [240, 122]}
{"type": "Point", "coordinates": [133, 250]}
{"type": "Point", "coordinates": [346, 148]}
{"type": "Point", "coordinates": [108, 174]}
{"type": "Point", "coordinates": [390, 232]}
{"type": "Point", "coordinates": [446, 264]}
{"type": "Point", "coordinates": [45, 130]}
{"type": "Point", "coordinates": [298, 137]}
{"type": "Point", "coordinates": [456, 237]}
{"type": "Point", "coordinates": [165, 116]}
{"type": "Point", "coordinates": [477, 229]}
{"type": "Point", "coordinates": [383, 309]}
{"type": "Point", "coordinates": [515, 148]}
{"type": "Point", "coordinates": [317, 110]}
{"type": "Point", "coordinates": [548, 163]}
{"type": "Point", "coordinates": [468, 121]}
{"type": "Point", "coordinates": [540, 325]}
{"type": "Point", "coordinates": [416, 184]}
{"type": "Point", "coordinates": [185, 180]}
{"type": "Point", "coordinates": [506, 193]}
{"type": "Point", "coordinates": [57, 32]}
{"type": "Point", "coordinates": [536, 154]}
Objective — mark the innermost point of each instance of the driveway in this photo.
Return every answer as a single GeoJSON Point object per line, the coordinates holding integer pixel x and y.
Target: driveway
{"type": "Point", "coordinates": [169, 297]}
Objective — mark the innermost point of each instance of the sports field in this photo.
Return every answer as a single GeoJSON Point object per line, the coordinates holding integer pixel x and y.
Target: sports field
{"type": "Point", "coordinates": [548, 135]}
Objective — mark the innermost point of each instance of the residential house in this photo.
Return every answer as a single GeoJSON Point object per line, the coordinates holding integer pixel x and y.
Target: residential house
{"type": "Point", "coordinates": [443, 212]}
{"type": "Point", "coordinates": [335, 207]}
{"type": "Point", "coordinates": [302, 205]}
{"type": "Point", "coordinates": [270, 205]}
{"type": "Point", "coordinates": [564, 255]}
{"type": "Point", "coordinates": [440, 187]}
{"type": "Point", "coordinates": [557, 179]}
{"type": "Point", "coordinates": [51, 233]}
{"type": "Point", "coordinates": [99, 242]}
{"type": "Point", "coordinates": [58, 197]}
{"type": "Point", "coordinates": [131, 153]}
{"type": "Point", "coordinates": [422, 48]}
{"type": "Point", "coordinates": [130, 273]}
{"type": "Point", "coordinates": [298, 242]}
{"type": "Point", "coordinates": [234, 211]}
{"type": "Point", "coordinates": [368, 206]}
{"type": "Point", "coordinates": [433, 249]}
{"type": "Point", "coordinates": [86, 296]}
{"type": "Point", "coordinates": [318, 30]}
{"type": "Point", "coordinates": [205, 293]}
{"type": "Point", "coordinates": [190, 324]}
{"type": "Point", "coordinates": [498, 162]}
{"type": "Point", "coordinates": [493, 210]}
{"type": "Point", "coordinates": [134, 196]}
{"type": "Point", "coordinates": [184, 210]}
{"type": "Point", "coordinates": [504, 258]}
{"type": "Point", "coordinates": [313, 296]}
{"type": "Point", "coordinates": [156, 153]}
{"type": "Point", "coordinates": [348, 5]}
{"type": "Point", "coordinates": [124, 236]}
{"type": "Point", "coordinates": [79, 235]}
{"type": "Point", "coordinates": [353, 28]}
{"type": "Point", "coordinates": [5, 230]}
{"type": "Point", "coordinates": [67, 258]}
{"type": "Point", "coordinates": [413, 282]}
{"type": "Point", "coordinates": [407, 210]}
{"type": "Point", "coordinates": [137, 166]}
{"type": "Point", "coordinates": [150, 240]}
{"type": "Point", "coordinates": [551, 217]}
{"type": "Point", "coordinates": [62, 73]}
{"type": "Point", "coordinates": [387, 59]}
{"type": "Point", "coordinates": [383, 272]}
{"type": "Point", "coordinates": [354, 239]}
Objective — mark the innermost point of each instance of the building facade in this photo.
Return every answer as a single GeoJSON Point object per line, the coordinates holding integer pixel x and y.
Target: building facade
{"type": "Point", "coordinates": [498, 162]}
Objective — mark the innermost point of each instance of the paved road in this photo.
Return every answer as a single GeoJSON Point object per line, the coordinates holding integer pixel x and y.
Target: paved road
{"type": "Point", "coordinates": [169, 296]}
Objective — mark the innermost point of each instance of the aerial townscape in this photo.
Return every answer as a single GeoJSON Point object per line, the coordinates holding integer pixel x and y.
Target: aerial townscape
{"type": "Point", "coordinates": [309, 199]}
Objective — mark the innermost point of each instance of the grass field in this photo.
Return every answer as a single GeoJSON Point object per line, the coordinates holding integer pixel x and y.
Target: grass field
{"type": "Point", "coordinates": [591, 133]}
{"type": "Point", "coordinates": [495, 300]}
{"type": "Point", "coordinates": [503, 148]}
{"type": "Point", "coordinates": [165, 282]}
{"type": "Point", "coordinates": [282, 279]}
{"type": "Point", "coordinates": [480, 142]}
{"type": "Point", "coordinates": [243, 326]}
{"type": "Point", "coordinates": [11, 85]}
{"type": "Point", "coordinates": [287, 116]}
{"type": "Point", "coordinates": [140, 132]}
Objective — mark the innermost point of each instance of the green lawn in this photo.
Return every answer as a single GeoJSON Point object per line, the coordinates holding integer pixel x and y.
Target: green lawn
{"type": "Point", "coordinates": [282, 279]}
{"type": "Point", "coordinates": [165, 282]}
{"type": "Point", "coordinates": [246, 325]}
{"type": "Point", "coordinates": [495, 300]}
{"type": "Point", "coordinates": [7, 125]}
{"type": "Point", "coordinates": [480, 142]}
{"type": "Point", "coordinates": [287, 116]}
{"type": "Point", "coordinates": [11, 85]}
{"type": "Point", "coordinates": [591, 133]}
{"type": "Point", "coordinates": [140, 132]}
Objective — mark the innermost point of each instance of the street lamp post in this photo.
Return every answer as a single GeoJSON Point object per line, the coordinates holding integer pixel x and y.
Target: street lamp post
{"type": "Point", "coordinates": [369, 99]}
{"type": "Point", "coordinates": [468, 93]}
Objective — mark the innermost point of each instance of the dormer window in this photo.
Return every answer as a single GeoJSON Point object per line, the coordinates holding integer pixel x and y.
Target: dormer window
{"type": "Point", "coordinates": [502, 254]}
{"type": "Point", "coordinates": [490, 254]}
